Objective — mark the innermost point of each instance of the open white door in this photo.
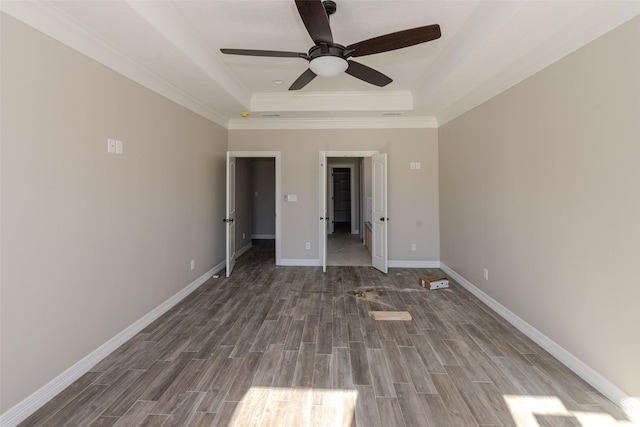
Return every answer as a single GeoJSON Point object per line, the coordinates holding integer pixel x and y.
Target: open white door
{"type": "Point", "coordinates": [230, 219]}
{"type": "Point", "coordinates": [323, 213]}
{"type": "Point", "coordinates": [379, 212]}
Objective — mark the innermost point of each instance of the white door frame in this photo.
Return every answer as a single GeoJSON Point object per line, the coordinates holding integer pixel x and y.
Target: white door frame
{"type": "Point", "coordinates": [230, 215]}
{"type": "Point", "coordinates": [323, 192]}
{"type": "Point", "coordinates": [352, 190]}
{"type": "Point", "coordinates": [276, 156]}
{"type": "Point", "coordinates": [323, 211]}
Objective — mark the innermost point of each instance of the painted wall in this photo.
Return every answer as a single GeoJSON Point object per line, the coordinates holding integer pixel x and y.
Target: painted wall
{"type": "Point", "coordinates": [413, 194]}
{"type": "Point", "coordinates": [92, 241]}
{"type": "Point", "coordinates": [541, 185]}
{"type": "Point", "coordinates": [264, 204]}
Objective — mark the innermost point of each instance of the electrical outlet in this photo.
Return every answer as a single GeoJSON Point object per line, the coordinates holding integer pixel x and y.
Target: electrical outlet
{"type": "Point", "coordinates": [308, 245]}
{"type": "Point", "coordinates": [486, 274]}
{"type": "Point", "coordinates": [413, 246]}
{"type": "Point", "coordinates": [193, 265]}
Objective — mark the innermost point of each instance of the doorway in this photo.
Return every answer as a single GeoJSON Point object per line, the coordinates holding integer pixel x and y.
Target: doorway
{"type": "Point", "coordinates": [345, 244]}
{"type": "Point", "coordinates": [344, 195]}
{"type": "Point", "coordinates": [341, 200]}
{"type": "Point", "coordinates": [253, 202]}
{"type": "Point", "coordinates": [347, 180]}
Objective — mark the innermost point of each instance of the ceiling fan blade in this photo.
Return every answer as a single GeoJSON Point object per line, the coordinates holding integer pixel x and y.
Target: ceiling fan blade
{"type": "Point", "coordinates": [367, 74]}
{"type": "Point", "coordinates": [316, 21]}
{"type": "Point", "coordinates": [273, 53]}
{"type": "Point", "coordinates": [304, 79]}
{"type": "Point", "coordinates": [398, 40]}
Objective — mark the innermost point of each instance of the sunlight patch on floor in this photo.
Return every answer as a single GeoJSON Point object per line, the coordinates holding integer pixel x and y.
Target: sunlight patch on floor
{"type": "Point", "coordinates": [282, 406]}
{"type": "Point", "coordinates": [529, 411]}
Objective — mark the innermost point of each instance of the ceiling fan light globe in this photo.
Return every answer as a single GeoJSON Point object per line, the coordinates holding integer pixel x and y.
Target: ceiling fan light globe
{"type": "Point", "coordinates": [328, 66]}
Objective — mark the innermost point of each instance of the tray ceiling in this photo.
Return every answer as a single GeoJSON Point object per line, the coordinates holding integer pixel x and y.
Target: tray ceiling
{"type": "Point", "coordinates": [173, 47]}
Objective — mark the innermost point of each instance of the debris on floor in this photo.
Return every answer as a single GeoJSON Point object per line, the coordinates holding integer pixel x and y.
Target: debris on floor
{"type": "Point", "coordinates": [370, 294]}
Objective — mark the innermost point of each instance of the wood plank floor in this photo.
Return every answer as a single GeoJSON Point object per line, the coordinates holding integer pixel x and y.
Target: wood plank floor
{"type": "Point", "coordinates": [291, 346]}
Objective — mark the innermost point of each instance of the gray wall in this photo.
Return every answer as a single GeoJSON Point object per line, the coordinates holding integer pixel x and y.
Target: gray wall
{"type": "Point", "coordinates": [264, 204]}
{"type": "Point", "coordinates": [413, 194]}
{"type": "Point", "coordinates": [93, 241]}
{"type": "Point", "coordinates": [541, 186]}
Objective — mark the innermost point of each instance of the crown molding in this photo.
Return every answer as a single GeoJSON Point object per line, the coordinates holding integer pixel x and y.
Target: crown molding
{"type": "Point", "coordinates": [334, 123]}
{"type": "Point", "coordinates": [599, 21]}
{"type": "Point", "coordinates": [332, 101]}
{"type": "Point", "coordinates": [169, 22]}
{"type": "Point", "coordinates": [46, 18]}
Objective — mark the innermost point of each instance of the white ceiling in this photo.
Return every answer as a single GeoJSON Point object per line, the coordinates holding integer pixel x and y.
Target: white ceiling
{"type": "Point", "coordinates": [173, 48]}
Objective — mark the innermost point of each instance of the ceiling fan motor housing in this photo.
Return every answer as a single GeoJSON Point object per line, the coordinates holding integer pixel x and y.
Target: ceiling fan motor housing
{"type": "Point", "coordinates": [326, 50]}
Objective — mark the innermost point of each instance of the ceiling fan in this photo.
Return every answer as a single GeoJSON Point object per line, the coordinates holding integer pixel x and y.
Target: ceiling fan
{"type": "Point", "coordinates": [329, 59]}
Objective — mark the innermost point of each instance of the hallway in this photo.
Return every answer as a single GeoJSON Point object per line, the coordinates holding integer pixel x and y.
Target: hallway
{"type": "Point", "coordinates": [344, 249]}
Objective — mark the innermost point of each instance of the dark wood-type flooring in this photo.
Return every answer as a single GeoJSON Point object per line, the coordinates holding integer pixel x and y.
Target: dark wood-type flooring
{"type": "Point", "coordinates": [291, 346]}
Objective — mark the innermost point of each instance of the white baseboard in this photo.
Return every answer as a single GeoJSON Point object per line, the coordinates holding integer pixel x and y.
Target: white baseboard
{"type": "Point", "coordinates": [413, 264]}
{"type": "Point", "coordinates": [299, 262]}
{"type": "Point", "coordinates": [629, 404]}
{"type": "Point", "coordinates": [243, 249]}
{"type": "Point", "coordinates": [263, 236]}
{"type": "Point", "coordinates": [35, 401]}
{"type": "Point", "coordinates": [392, 264]}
